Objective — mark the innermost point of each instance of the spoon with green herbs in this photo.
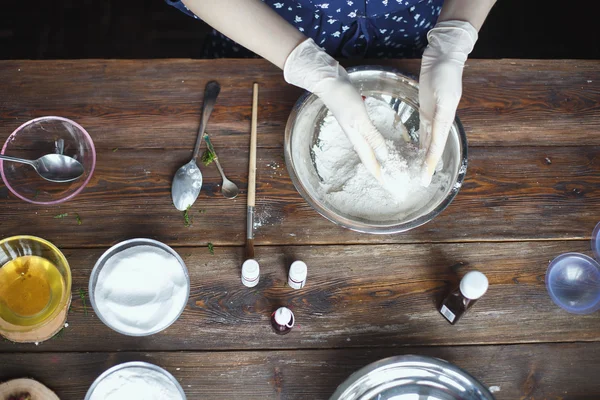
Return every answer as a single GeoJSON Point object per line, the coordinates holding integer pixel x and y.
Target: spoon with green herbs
{"type": "Point", "coordinates": [228, 188]}
{"type": "Point", "coordinates": [187, 181]}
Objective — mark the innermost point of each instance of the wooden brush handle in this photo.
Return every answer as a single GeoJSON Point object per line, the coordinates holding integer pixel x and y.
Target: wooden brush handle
{"type": "Point", "coordinates": [252, 164]}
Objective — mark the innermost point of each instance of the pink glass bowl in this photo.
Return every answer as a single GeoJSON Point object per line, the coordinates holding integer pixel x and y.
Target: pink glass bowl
{"type": "Point", "coordinates": [36, 138]}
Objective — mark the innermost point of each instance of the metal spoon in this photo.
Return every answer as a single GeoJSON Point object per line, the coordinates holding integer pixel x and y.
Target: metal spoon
{"type": "Point", "coordinates": [187, 181]}
{"type": "Point", "coordinates": [228, 188]}
{"type": "Point", "coordinates": [53, 167]}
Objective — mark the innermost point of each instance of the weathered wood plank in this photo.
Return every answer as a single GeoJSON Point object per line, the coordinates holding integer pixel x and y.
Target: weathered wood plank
{"type": "Point", "coordinates": [515, 193]}
{"type": "Point", "coordinates": [355, 297]}
{"type": "Point", "coordinates": [542, 371]}
{"type": "Point", "coordinates": [156, 103]}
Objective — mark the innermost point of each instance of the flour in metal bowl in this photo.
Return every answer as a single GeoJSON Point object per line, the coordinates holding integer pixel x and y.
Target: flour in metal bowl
{"type": "Point", "coordinates": [350, 188]}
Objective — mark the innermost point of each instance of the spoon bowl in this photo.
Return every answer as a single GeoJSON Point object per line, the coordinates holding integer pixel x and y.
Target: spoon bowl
{"type": "Point", "coordinates": [186, 185]}
{"type": "Point", "coordinates": [229, 189]}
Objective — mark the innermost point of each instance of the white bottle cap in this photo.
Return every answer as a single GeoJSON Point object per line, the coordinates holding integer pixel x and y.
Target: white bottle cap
{"type": "Point", "coordinates": [474, 285]}
{"type": "Point", "coordinates": [297, 275]}
{"type": "Point", "coordinates": [284, 316]}
{"type": "Point", "coordinates": [250, 273]}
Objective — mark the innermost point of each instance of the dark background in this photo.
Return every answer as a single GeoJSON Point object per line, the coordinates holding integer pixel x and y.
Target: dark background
{"type": "Point", "coordinates": [62, 29]}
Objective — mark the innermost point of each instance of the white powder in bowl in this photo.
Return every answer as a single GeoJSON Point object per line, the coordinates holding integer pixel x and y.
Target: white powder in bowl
{"type": "Point", "coordinates": [136, 383]}
{"type": "Point", "coordinates": [141, 290]}
{"type": "Point", "coordinates": [351, 189]}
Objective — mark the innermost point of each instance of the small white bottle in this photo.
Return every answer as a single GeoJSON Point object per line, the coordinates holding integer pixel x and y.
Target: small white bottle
{"type": "Point", "coordinates": [250, 273]}
{"type": "Point", "coordinates": [297, 275]}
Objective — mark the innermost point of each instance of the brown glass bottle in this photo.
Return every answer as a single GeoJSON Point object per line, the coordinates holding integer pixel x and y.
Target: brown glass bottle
{"type": "Point", "coordinates": [473, 285]}
{"type": "Point", "coordinates": [282, 321]}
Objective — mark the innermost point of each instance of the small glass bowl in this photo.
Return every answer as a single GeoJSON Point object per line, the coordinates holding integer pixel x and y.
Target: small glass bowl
{"type": "Point", "coordinates": [36, 138]}
{"type": "Point", "coordinates": [20, 246]}
{"type": "Point", "coordinates": [117, 248]}
{"type": "Point", "coordinates": [135, 365]}
{"type": "Point", "coordinates": [573, 283]}
{"type": "Point", "coordinates": [596, 242]}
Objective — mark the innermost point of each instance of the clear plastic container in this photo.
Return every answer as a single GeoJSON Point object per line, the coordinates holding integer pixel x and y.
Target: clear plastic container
{"type": "Point", "coordinates": [573, 282]}
{"type": "Point", "coordinates": [596, 242]}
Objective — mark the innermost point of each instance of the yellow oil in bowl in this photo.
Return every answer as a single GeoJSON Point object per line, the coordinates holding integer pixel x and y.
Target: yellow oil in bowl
{"type": "Point", "coordinates": [31, 288]}
{"type": "Point", "coordinates": [35, 283]}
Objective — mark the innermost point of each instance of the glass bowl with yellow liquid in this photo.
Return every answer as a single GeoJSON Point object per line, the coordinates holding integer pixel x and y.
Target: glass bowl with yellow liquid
{"type": "Point", "coordinates": [35, 283]}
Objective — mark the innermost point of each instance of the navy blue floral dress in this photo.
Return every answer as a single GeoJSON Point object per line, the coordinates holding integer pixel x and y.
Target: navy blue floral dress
{"type": "Point", "coordinates": [346, 28]}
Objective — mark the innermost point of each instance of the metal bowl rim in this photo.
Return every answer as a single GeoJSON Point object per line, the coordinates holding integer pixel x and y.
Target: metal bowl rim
{"type": "Point", "coordinates": [362, 226]}
{"type": "Point", "coordinates": [114, 250]}
{"type": "Point", "coordinates": [412, 361]}
{"type": "Point", "coordinates": [134, 364]}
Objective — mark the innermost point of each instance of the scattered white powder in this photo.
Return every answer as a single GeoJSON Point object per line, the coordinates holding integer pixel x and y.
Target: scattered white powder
{"type": "Point", "coordinates": [136, 383]}
{"type": "Point", "coordinates": [350, 188]}
{"type": "Point", "coordinates": [141, 289]}
{"type": "Point", "coordinates": [494, 389]}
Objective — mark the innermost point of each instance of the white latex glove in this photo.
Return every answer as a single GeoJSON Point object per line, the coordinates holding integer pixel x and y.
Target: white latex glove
{"type": "Point", "coordinates": [311, 68]}
{"type": "Point", "coordinates": [440, 87]}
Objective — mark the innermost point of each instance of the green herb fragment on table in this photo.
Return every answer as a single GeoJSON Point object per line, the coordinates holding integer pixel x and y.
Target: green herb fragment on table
{"type": "Point", "coordinates": [61, 216]}
{"type": "Point", "coordinates": [115, 149]}
{"type": "Point", "coordinates": [208, 157]}
{"type": "Point", "coordinates": [202, 211]}
{"type": "Point", "coordinates": [187, 219]}
{"type": "Point", "coordinates": [79, 220]}
{"type": "Point", "coordinates": [37, 193]}
{"type": "Point", "coordinates": [211, 248]}
{"type": "Point", "coordinates": [82, 297]}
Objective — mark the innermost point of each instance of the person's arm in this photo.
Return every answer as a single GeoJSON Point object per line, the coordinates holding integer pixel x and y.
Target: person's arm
{"type": "Point", "coordinates": [440, 83]}
{"type": "Point", "coordinates": [252, 24]}
{"type": "Point", "coordinates": [472, 11]}
{"type": "Point", "coordinates": [257, 27]}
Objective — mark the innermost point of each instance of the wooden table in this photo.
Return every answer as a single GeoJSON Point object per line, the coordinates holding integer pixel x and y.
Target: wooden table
{"type": "Point", "coordinates": [532, 192]}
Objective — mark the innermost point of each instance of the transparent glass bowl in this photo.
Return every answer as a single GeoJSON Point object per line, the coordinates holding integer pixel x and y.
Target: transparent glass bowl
{"type": "Point", "coordinates": [573, 283]}
{"type": "Point", "coordinates": [19, 246]}
{"type": "Point", "coordinates": [117, 249]}
{"type": "Point", "coordinates": [596, 242]}
{"type": "Point", "coordinates": [36, 138]}
{"type": "Point", "coordinates": [136, 365]}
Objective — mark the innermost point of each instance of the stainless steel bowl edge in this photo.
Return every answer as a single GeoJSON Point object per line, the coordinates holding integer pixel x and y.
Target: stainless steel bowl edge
{"type": "Point", "coordinates": [392, 375]}
{"type": "Point", "coordinates": [355, 225]}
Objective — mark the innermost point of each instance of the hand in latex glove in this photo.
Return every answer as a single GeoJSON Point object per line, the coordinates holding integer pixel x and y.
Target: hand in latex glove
{"type": "Point", "coordinates": [440, 87]}
{"type": "Point", "coordinates": [311, 68]}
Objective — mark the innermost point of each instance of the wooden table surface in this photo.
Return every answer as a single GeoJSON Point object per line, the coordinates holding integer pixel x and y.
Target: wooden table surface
{"type": "Point", "coordinates": [532, 192]}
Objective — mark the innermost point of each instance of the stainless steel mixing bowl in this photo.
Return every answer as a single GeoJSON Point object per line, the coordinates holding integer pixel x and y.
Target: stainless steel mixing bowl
{"type": "Point", "coordinates": [411, 377]}
{"type": "Point", "coordinates": [402, 93]}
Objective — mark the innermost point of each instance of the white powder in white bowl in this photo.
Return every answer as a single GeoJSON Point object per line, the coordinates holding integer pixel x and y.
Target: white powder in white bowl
{"type": "Point", "coordinates": [136, 383]}
{"type": "Point", "coordinates": [141, 290]}
{"type": "Point", "coordinates": [351, 189]}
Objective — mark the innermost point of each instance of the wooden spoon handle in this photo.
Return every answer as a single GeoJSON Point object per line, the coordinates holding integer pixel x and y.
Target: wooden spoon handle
{"type": "Point", "coordinates": [252, 164]}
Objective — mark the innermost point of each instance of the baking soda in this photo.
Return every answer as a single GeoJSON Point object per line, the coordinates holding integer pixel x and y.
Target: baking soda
{"type": "Point", "coordinates": [351, 189]}
{"type": "Point", "coordinates": [141, 289]}
{"type": "Point", "coordinates": [136, 383]}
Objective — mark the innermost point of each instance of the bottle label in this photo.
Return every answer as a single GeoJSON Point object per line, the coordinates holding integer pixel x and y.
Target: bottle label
{"type": "Point", "coordinates": [296, 284]}
{"type": "Point", "coordinates": [449, 315]}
